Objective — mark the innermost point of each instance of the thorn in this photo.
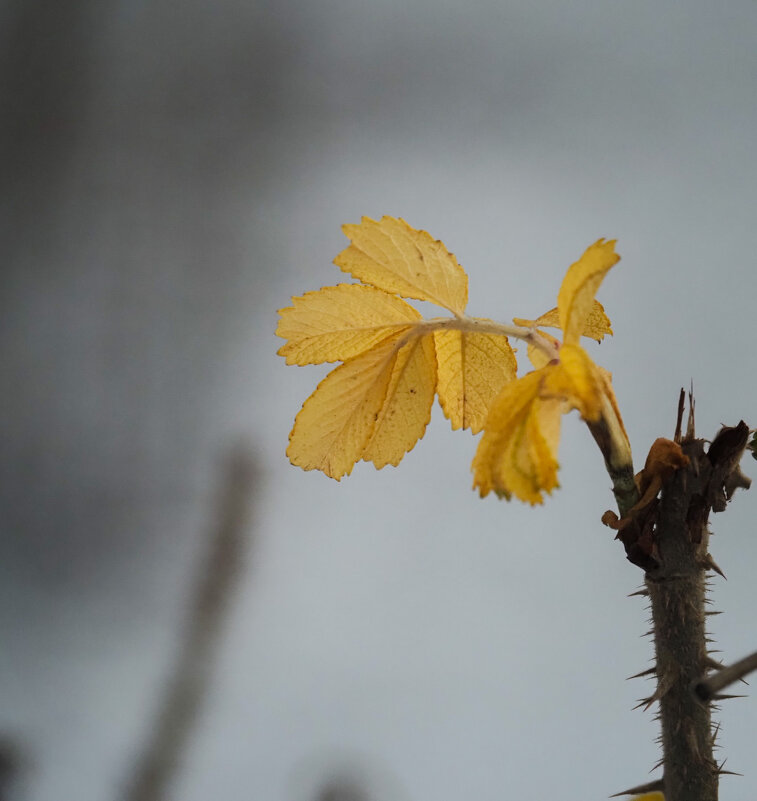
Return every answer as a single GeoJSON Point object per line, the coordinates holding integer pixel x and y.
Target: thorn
{"type": "Point", "coordinates": [690, 422]}
{"type": "Point", "coordinates": [658, 765]}
{"type": "Point", "coordinates": [664, 684]}
{"type": "Point", "coordinates": [713, 613]}
{"type": "Point", "coordinates": [638, 592]}
{"type": "Point", "coordinates": [649, 787]}
{"type": "Point", "coordinates": [679, 419]}
{"type": "Point", "coordinates": [708, 563]}
{"type": "Point", "coordinates": [725, 697]}
{"type": "Point", "coordinates": [713, 664]}
{"type": "Point", "coordinates": [715, 732]}
{"type": "Point", "coordinates": [721, 772]}
{"type": "Point", "coordinates": [648, 672]}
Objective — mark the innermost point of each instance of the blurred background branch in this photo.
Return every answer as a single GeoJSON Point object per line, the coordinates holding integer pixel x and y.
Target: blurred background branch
{"type": "Point", "coordinates": [186, 688]}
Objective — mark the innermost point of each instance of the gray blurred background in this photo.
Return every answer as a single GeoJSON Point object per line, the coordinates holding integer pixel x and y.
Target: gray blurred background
{"type": "Point", "coordinates": [172, 173]}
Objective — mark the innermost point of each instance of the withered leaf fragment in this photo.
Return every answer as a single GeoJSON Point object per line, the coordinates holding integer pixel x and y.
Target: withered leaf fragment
{"type": "Point", "coordinates": [725, 454]}
{"type": "Point", "coordinates": [753, 446]}
{"type": "Point", "coordinates": [636, 529]}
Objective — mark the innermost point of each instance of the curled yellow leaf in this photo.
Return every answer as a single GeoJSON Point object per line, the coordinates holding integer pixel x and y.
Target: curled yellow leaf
{"type": "Point", "coordinates": [581, 282]}
{"type": "Point", "coordinates": [518, 452]}
{"type": "Point", "coordinates": [577, 381]}
{"type": "Point", "coordinates": [392, 256]}
{"type": "Point", "coordinates": [473, 368]}
{"type": "Point", "coordinates": [406, 410]}
{"type": "Point", "coordinates": [338, 322]}
{"type": "Point", "coordinates": [544, 430]}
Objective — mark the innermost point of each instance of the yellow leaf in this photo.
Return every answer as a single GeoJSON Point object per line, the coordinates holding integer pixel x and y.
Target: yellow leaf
{"type": "Point", "coordinates": [597, 323]}
{"type": "Point", "coordinates": [576, 296]}
{"type": "Point", "coordinates": [518, 451]}
{"type": "Point", "coordinates": [406, 410]}
{"type": "Point", "coordinates": [336, 422]}
{"type": "Point", "coordinates": [649, 797]}
{"type": "Point", "coordinates": [511, 403]}
{"type": "Point", "coordinates": [392, 256]}
{"type": "Point", "coordinates": [339, 322]}
{"type": "Point", "coordinates": [377, 404]}
{"type": "Point", "coordinates": [473, 368]}
{"type": "Point", "coordinates": [576, 380]}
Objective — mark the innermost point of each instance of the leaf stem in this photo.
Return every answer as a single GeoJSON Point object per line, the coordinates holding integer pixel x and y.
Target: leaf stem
{"type": "Point", "coordinates": [474, 325]}
{"type": "Point", "coordinates": [609, 435]}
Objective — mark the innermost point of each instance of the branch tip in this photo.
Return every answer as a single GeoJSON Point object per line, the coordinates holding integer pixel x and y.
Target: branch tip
{"type": "Point", "coordinates": [690, 433]}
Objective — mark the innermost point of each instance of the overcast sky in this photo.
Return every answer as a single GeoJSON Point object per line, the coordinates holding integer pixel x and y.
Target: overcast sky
{"type": "Point", "coordinates": [176, 173]}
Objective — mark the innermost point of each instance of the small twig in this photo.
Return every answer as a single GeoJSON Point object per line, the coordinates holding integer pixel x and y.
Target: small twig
{"type": "Point", "coordinates": [708, 688]}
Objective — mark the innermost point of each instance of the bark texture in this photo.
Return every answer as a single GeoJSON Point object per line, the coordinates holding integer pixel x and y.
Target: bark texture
{"type": "Point", "coordinates": [677, 595]}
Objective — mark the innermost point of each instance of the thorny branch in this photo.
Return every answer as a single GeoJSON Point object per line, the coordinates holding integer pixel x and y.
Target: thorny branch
{"type": "Point", "coordinates": [666, 533]}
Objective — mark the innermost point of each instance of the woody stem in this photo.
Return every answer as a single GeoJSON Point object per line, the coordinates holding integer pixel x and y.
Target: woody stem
{"type": "Point", "coordinates": [677, 596]}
